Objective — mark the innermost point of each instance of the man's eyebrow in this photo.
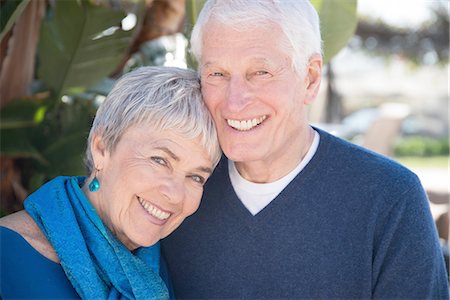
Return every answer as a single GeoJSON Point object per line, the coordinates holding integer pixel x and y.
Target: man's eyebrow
{"type": "Point", "coordinates": [170, 153]}
{"type": "Point", "coordinates": [207, 64]}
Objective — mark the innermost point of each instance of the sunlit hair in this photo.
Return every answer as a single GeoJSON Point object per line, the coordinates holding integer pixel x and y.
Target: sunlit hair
{"type": "Point", "coordinates": [297, 19]}
{"type": "Point", "coordinates": [162, 98]}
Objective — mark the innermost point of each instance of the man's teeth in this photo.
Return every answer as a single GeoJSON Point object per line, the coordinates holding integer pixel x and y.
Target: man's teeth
{"type": "Point", "coordinates": [246, 124]}
{"type": "Point", "coordinates": [154, 211]}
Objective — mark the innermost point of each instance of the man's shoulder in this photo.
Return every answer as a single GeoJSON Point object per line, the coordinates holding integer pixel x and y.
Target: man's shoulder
{"type": "Point", "coordinates": [354, 157]}
{"type": "Point", "coordinates": [348, 164]}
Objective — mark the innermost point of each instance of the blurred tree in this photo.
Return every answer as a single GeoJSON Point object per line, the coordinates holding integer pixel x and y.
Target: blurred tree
{"type": "Point", "coordinates": [427, 44]}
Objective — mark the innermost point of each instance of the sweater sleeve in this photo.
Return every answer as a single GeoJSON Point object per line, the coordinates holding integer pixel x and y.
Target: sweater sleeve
{"type": "Point", "coordinates": [407, 259]}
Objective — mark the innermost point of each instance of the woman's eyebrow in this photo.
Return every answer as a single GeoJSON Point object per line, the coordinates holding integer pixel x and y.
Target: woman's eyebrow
{"type": "Point", "coordinates": [205, 170]}
{"type": "Point", "coordinates": [169, 152]}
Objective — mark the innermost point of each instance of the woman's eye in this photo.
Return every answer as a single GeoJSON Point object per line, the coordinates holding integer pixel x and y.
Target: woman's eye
{"type": "Point", "coordinates": [198, 179]}
{"type": "Point", "coordinates": [261, 72]}
{"type": "Point", "coordinates": [159, 160]}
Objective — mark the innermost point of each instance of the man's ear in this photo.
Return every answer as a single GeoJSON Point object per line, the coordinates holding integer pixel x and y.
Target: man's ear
{"type": "Point", "coordinates": [99, 151]}
{"type": "Point", "coordinates": [313, 78]}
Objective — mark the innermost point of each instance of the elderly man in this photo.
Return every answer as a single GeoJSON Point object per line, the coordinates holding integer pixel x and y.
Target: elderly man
{"type": "Point", "coordinates": [291, 211]}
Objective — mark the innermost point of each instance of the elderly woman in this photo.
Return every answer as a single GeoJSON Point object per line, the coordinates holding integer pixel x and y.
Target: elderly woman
{"type": "Point", "coordinates": [151, 148]}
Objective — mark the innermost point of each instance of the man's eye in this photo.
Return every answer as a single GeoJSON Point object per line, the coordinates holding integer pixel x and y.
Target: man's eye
{"type": "Point", "coordinates": [199, 179]}
{"type": "Point", "coordinates": [159, 160]}
{"type": "Point", "coordinates": [216, 74]}
{"type": "Point", "coordinates": [261, 72]}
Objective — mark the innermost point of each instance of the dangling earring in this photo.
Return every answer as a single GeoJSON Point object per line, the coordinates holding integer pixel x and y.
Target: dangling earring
{"type": "Point", "coordinates": [94, 185]}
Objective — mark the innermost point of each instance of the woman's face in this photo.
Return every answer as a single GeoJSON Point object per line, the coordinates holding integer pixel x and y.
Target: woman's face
{"type": "Point", "coordinates": [150, 183]}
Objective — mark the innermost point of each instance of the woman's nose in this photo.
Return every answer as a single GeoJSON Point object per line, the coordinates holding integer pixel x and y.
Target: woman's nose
{"type": "Point", "coordinates": [172, 189]}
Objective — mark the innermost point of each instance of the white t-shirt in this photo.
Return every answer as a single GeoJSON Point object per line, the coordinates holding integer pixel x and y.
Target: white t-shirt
{"type": "Point", "coordinates": [256, 196]}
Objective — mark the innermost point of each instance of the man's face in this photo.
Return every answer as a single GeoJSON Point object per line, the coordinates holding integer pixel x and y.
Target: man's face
{"type": "Point", "coordinates": [257, 100]}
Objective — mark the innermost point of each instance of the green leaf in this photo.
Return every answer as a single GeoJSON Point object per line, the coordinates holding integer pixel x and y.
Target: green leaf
{"type": "Point", "coordinates": [80, 44]}
{"type": "Point", "coordinates": [15, 144]}
{"type": "Point", "coordinates": [10, 12]}
{"type": "Point", "coordinates": [338, 20]}
{"type": "Point", "coordinates": [22, 113]}
{"type": "Point", "coordinates": [193, 8]}
{"type": "Point", "coordinates": [66, 156]}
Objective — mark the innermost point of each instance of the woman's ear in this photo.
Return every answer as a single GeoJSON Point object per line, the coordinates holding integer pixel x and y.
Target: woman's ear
{"type": "Point", "coordinates": [313, 78]}
{"type": "Point", "coordinates": [99, 151]}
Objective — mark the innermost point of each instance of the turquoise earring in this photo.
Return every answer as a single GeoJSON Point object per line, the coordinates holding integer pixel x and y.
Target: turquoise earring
{"type": "Point", "coordinates": [94, 185]}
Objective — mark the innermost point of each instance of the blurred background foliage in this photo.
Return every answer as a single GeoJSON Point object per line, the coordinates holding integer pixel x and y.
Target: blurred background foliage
{"type": "Point", "coordinates": [59, 59]}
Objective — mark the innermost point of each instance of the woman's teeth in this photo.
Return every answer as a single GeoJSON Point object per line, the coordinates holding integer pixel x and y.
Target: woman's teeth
{"type": "Point", "coordinates": [154, 211]}
{"type": "Point", "coordinates": [246, 124]}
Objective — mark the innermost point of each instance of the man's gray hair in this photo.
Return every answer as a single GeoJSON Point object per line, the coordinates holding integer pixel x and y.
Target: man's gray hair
{"type": "Point", "coordinates": [297, 19]}
{"type": "Point", "coordinates": [162, 98]}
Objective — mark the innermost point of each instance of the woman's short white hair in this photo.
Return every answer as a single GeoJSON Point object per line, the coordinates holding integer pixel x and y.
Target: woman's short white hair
{"type": "Point", "coordinates": [162, 98]}
{"type": "Point", "coordinates": [297, 19]}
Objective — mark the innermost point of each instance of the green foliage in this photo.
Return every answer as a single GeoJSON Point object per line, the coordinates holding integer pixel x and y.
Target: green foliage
{"type": "Point", "coordinates": [193, 8]}
{"type": "Point", "coordinates": [338, 20]}
{"type": "Point", "coordinates": [22, 113]}
{"type": "Point", "coordinates": [48, 146]}
{"type": "Point", "coordinates": [424, 161]}
{"type": "Point", "coordinates": [421, 146]}
{"type": "Point", "coordinates": [79, 45]}
{"type": "Point", "coordinates": [14, 144]}
{"type": "Point", "coordinates": [9, 13]}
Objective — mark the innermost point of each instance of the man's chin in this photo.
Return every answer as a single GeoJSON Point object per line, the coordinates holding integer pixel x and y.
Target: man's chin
{"type": "Point", "coordinates": [243, 156]}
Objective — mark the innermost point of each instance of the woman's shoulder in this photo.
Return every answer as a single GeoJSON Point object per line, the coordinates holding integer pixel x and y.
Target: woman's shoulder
{"type": "Point", "coordinates": [25, 272]}
{"type": "Point", "coordinates": [22, 223]}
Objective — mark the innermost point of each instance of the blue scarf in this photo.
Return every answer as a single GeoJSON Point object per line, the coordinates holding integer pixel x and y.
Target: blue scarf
{"type": "Point", "coordinates": [97, 264]}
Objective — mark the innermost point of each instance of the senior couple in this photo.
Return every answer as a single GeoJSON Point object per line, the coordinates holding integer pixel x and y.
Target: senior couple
{"type": "Point", "coordinates": [289, 211]}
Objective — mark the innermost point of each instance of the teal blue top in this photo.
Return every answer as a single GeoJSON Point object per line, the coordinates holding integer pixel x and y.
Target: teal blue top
{"type": "Point", "coordinates": [94, 264]}
{"type": "Point", "coordinates": [25, 273]}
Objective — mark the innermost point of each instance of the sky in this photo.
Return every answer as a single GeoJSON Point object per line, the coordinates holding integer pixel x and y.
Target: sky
{"type": "Point", "coordinates": [403, 13]}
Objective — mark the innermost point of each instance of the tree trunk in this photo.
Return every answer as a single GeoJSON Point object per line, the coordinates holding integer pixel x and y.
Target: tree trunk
{"type": "Point", "coordinates": [17, 60]}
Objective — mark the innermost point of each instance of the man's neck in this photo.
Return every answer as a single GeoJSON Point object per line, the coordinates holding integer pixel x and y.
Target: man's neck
{"type": "Point", "coordinates": [279, 164]}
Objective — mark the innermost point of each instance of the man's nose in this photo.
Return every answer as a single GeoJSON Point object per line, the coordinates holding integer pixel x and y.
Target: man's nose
{"type": "Point", "coordinates": [239, 94]}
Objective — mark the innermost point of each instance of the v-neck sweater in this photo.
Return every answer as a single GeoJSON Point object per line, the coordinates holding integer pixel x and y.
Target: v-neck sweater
{"type": "Point", "coordinates": [352, 224]}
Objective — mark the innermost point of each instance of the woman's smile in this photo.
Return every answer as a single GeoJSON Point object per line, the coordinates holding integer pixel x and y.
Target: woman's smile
{"type": "Point", "coordinates": [154, 211]}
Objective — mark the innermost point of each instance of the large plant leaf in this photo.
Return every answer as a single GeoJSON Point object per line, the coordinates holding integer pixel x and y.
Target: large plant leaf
{"type": "Point", "coordinates": [22, 113]}
{"type": "Point", "coordinates": [15, 144]}
{"type": "Point", "coordinates": [66, 155]}
{"type": "Point", "coordinates": [69, 119]}
{"type": "Point", "coordinates": [193, 8]}
{"type": "Point", "coordinates": [338, 20]}
{"type": "Point", "coordinates": [80, 44]}
{"type": "Point", "coordinates": [11, 10]}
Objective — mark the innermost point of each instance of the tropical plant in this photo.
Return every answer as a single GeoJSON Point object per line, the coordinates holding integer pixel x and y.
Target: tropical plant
{"type": "Point", "coordinates": [79, 44]}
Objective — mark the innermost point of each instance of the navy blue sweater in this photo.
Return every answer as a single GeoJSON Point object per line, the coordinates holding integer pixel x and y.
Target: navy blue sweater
{"type": "Point", "coordinates": [352, 224]}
